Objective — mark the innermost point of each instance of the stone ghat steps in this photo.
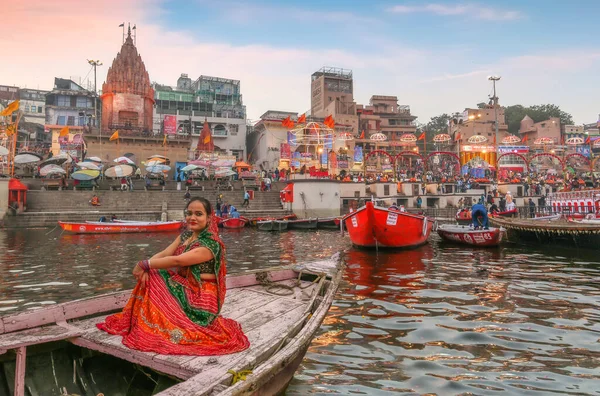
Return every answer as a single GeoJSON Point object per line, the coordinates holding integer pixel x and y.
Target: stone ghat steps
{"type": "Point", "coordinates": [55, 201]}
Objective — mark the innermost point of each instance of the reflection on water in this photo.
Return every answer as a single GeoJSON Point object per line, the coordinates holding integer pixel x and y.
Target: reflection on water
{"type": "Point", "coordinates": [438, 319]}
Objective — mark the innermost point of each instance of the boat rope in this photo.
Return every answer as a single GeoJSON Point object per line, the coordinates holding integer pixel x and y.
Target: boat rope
{"type": "Point", "coordinates": [285, 290]}
{"type": "Point", "coordinates": [238, 376]}
{"type": "Point", "coordinates": [52, 230]}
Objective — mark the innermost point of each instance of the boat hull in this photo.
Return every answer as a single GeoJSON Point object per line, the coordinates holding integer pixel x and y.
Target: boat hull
{"type": "Point", "coordinates": [331, 223]}
{"type": "Point", "coordinates": [303, 224]}
{"type": "Point", "coordinates": [234, 223]}
{"type": "Point", "coordinates": [119, 228]}
{"type": "Point", "coordinates": [374, 227]}
{"type": "Point", "coordinates": [468, 236]}
{"type": "Point", "coordinates": [272, 225]}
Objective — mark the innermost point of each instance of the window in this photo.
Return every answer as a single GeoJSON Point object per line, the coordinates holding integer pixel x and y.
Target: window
{"type": "Point", "coordinates": [39, 109]}
{"type": "Point", "coordinates": [26, 108]}
{"type": "Point", "coordinates": [33, 109]}
{"type": "Point", "coordinates": [81, 121]}
{"type": "Point", "coordinates": [63, 100]}
{"type": "Point", "coordinates": [61, 120]}
{"type": "Point", "coordinates": [82, 101]}
{"type": "Point", "coordinates": [543, 124]}
{"type": "Point", "coordinates": [12, 89]}
{"type": "Point", "coordinates": [71, 120]}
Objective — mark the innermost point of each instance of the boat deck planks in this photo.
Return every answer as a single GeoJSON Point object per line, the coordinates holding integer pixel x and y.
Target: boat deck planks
{"type": "Point", "coordinates": [257, 311]}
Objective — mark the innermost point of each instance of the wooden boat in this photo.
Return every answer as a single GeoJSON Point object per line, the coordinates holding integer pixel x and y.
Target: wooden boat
{"type": "Point", "coordinates": [470, 236]}
{"type": "Point", "coordinates": [234, 223]}
{"type": "Point", "coordinates": [59, 350]}
{"type": "Point", "coordinates": [303, 224]}
{"type": "Point", "coordinates": [375, 226]}
{"type": "Point", "coordinates": [272, 225]}
{"type": "Point", "coordinates": [507, 213]}
{"type": "Point", "coordinates": [550, 231]}
{"type": "Point", "coordinates": [97, 227]}
{"type": "Point", "coordinates": [332, 223]}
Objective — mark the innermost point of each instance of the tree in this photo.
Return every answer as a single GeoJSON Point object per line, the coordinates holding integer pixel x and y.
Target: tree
{"type": "Point", "coordinates": [514, 114]}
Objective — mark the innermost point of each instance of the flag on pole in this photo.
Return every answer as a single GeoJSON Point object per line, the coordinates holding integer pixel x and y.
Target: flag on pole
{"type": "Point", "coordinates": [362, 135]}
{"type": "Point", "coordinates": [206, 139]}
{"type": "Point", "coordinates": [11, 108]}
{"type": "Point", "coordinates": [64, 132]}
{"type": "Point", "coordinates": [114, 136]}
{"type": "Point", "coordinates": [525, 139]}
{"type": "Point", "coordinates": [588, 140]}
{"type": "Point", "coordinates": [302, 119]}
{"type": "Point", "coordinates": [10, 130]}
{"type": "Point", "coordinates": [422, 137]}
{"type": "Point", "coordinates": [165, 140]}
{"type": "Point", "coordinates": [288, 123]}
{"type": "Point", "coordinates": [122, 25]}
{"type": "Point", "coordinates": [329, 122]}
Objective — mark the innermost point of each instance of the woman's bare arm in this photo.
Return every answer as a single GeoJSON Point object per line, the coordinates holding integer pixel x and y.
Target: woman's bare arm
{"type": "Point", "coordinates": [194, 256]}
{"type": "Point", "coordinates": [169, 251]}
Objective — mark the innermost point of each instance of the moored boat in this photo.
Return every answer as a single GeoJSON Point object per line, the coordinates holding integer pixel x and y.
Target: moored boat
{"type": "Point", "coordinates": [470, 236]}
{"type": "Point", "coordinates": [100, 227]}
{"type": "Point", "coordinates": [374, 226]}
{"type": "Point", "coordinates": [464, 216]}
{"type": "Point", "coordinates": [272, 225]}
{"type": "Point", "coordinates": [302, 224]}
{"type": "Point", "coordinates": [233, 223]}
{"type": "Point", "coordinates": [507, 213]}
{"type": "Point", "coordinates": [332, 223]}
{"type": "Point", "coordinates": [62, 342]}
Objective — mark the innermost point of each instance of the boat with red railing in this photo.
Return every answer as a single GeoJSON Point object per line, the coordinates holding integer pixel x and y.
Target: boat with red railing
{"type": "Point", "coordinates": [471, 236]}
{"type": "Point", "coordinates": [507, 213]}
{"type": "Point", "coordinates": [376, 226]}
{"type": "Point", "coordinates": [234, 223]}
{"type": "Point", "coordinates": [463, 216]}
{"type": "Point", "coordinates": [99, 227]}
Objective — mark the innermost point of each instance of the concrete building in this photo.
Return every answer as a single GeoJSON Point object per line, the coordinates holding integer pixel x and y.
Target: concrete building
{"type": "Point", "coordinates": [33, 105]}
{"type": "Point", "coordinates": [531, 131]}
{"type": "Point", "coordinates": [264, 143]}
{"type": "Point", "coordinates": [385, 115]}
{"type": "Point", "coordinates": [8, 94]}
{"type": "Point", "coordinates": [332, 93]}
{"type": "Point", "coordinates": [69, 104]}
{"type": "Point", "coordinates": [180, 112]}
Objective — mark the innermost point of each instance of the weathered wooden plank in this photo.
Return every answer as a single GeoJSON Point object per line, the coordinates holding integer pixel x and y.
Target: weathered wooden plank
{"type": "Point", "coordinates": [100, 304]}
{"type": "Point", "coordinates": [264, 341]}
{"type": "Point", "coordinates": [20, 372]}
{"type": "Point", "coordinates": [28, 320]}
{"type": "Point", "coordinates": [298, 293]}
{"type": "Point", "coordinates": [249, 277]}
{"type": "Point", "coordinates": [267, 313]}
{"type": "Point", "coordinates": [38, 335]}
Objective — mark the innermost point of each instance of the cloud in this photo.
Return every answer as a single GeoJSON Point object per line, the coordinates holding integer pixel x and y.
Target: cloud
{"type": "Point", "coordinates": [446, 77]}
{"type": "Point", "coordinates": [471, 10]}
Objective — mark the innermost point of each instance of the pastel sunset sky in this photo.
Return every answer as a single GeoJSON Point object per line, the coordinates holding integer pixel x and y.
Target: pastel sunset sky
{"type": "Point", "coordinates": [435, 56]}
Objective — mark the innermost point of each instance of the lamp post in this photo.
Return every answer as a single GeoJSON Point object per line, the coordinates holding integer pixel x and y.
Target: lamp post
{"type": "Point", "coordinates": [493, 79]}
{"type": "Point", "coordinates": [95, 64]}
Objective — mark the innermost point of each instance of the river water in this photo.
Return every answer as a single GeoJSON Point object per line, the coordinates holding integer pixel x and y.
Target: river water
{"type": "Point", "coordinates": [439, 319]}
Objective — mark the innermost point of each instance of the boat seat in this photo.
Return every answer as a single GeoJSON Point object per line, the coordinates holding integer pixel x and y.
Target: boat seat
{"type": "Point", "coordinates": [38, 335]}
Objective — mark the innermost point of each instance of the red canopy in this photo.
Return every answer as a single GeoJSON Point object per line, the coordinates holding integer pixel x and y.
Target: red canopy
{"type": "Point", "coordinates": [287, 194]}
{"type": "Point", "coordinates": [16, 185]}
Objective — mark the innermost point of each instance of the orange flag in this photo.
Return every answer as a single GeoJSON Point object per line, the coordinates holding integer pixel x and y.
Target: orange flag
{"type": "Point", "coordinates": [362, 135]}
{"type": "Point", "coordinates": [329, 122]}
{"type": "Point", "coordinates": [114, 136]}
{"type": "Point", "coordinates": [64, 132]}
{"type": "Point", "coordinates": [302, 119]}
{"type": "Point", "coordinates": [588, 140]}
{"type": "Point", "coordinates": [11, 108]}
{"type": "Point", "coordinates": [525, 139]}
{"type": "Point", "coordinates": [288, 123]}
{"type": "Point", "coordinates": [458, 136]}
{"type": "Point", "coordinates": [206, 139]}
{"type": "Point", "coordinates": [422, 137]}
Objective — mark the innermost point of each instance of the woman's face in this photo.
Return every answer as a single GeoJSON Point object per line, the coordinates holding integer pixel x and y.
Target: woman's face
{"type": "Point", "coordinates": [196, 216]}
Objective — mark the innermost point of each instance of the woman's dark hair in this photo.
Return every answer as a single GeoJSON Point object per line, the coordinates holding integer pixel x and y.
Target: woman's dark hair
{"type": "Point", "coordinates": [204, 202]}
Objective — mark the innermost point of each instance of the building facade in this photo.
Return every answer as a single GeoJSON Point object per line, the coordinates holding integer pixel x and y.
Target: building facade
{"type": "Point", "coordinates": [530, 130]}
{"type": "Point", "coordinates": [33, 105]}
{"type": "Point", "coordinates": [264, 143]}
{"type": "Point", "coordinates": [127, 95]}
{"type": "Point", "coordinates": [69, 104]}
{"type": "Point", "coordinates": [180, 112]}
{"type": "Point", "coordinates": [332, 93]}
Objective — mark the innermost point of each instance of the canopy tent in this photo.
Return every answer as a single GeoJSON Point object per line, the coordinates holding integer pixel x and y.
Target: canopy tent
{"type": "Point", "coordinates": [27, 158]}
{"type": "Point", "coordinates": [124, 160]}
{"type": "Point", "coordinates": [52, 169]}
{"type": "Point", "coordinates": [242, 166]}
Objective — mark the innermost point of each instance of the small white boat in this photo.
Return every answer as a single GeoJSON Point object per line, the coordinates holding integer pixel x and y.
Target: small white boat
{"type": "Point", "coordinates": [272, 225]}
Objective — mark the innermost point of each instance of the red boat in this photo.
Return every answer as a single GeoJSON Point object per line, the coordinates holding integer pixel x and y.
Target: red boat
{"type": "Point", "coordinates": [507, 213]}
{"type": "Point", "coordinates": [374, 226]}
{"type": "Point", "coordinates": [464, 216]}
{"type": "Point", "coordinates": [471, 236]}
{"type": "Point", "coordinates": [98, 227]}
{"type": "Point", "coordinates": [234, 223]}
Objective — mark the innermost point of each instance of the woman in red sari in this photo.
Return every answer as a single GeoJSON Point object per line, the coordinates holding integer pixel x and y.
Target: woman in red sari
{"type": "Point", "coordinates": [175, 306]}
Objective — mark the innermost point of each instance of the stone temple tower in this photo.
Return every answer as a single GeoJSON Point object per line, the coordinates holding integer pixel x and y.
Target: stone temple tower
{"type": "Point", "coordinates": [127, 96]}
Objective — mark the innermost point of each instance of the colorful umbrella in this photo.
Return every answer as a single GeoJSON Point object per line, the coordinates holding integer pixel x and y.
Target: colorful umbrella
{"type": "Point", "coordinates": [88, 165]}
{"type": "Point", "coordinates": [94, 159]}
{"type": "Point", "coordinates": [477, 139]}
{"type": "Point", "coordinates": [407, 138]}
{"type": "Point", "coordinates": [441, 138]}
{"type": "Point", "coordinates": [27, 158]}
{"type": "Point", "coordinates": [57, 159]}
{"type": "Point", "coordinates": [84, 175]}
{"type": "Point", "coordinates": [543, 141]}
{"type": "Point", "coordinates": [574, 141]}
{"type": "Point", "coordinates": [3, 151]}
{"type": "Point", "coordinates": [119, 171]}
{"type": "Point", "coordinates": [378, 137]}
{"type": "Point", "coordinates": [51, 169]}
{"type": "Point", "coordinates": [158, 168]}
{"type": "Point", "coordinates": [156, 161]}
{"type": "Point", "coordinates": [124, 160]}
{"type": "Point", "coordinates": [510, 139]}
{"type": "Point", "coordinates": [157, 156]}
{"type": "Point", "coordinates": [192, 167]}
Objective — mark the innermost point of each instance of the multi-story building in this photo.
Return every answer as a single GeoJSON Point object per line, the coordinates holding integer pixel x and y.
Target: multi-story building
{"type": "Point", "coordinates": [332, 93]}
{"type": "Point", "coordinates": [181, 111]}
{"type": "Point", "coordinates": [8, 94]}
{"type": "Point", "coordinates": [265, 141]}
{"type": "Point", "coordinates": [69, 104]}
{"type": "Point", "coordinates": [33, 105]}
{"type": "Point", "coordinates": [384, 115]}
{"type": "Point", "coordinates": [530, 130]}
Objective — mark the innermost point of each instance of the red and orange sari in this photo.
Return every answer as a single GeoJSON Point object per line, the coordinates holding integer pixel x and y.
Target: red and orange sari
{"type": "Point", "coordinates": [177, 313]}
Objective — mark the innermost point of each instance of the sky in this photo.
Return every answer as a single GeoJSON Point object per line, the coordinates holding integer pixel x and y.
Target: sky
{"type": "Point", "coordinates": [434, 56]}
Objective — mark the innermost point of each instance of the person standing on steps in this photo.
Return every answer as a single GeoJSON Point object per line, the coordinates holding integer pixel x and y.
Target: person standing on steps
{"type": "Point", "coordinates": [246, 203]}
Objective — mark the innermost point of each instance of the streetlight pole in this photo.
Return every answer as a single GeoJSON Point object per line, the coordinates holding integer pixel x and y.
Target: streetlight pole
{"type": "Point", "coordinates": [95, 64]}
{"type": "Point", "coordinates": [493, 79]}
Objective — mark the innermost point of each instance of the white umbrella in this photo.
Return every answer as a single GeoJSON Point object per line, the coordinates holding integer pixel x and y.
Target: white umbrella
{"type": "Point", "coordinates": [155, 162]}
{"type": "Point", "coordinates": [124, 160]}
{"type": "Point", "coordinates": [52, 169]}
{"type": "Point", "coordinates": [3, 151]}
{"type": "Point", "coordinates": [26, 158]}
{"type": "Point", "coordinates": [57, 159]}
{"type": "Point", "coordinates": [119, 171]}
{"type": "Point", "coordinates": [158, 156]}
{"type": "Point", "coordinates": [94, 159]}
{"type": "Point", "coordinates": [192, 167]}
{"type": "Point", "coordinates": [88, 165]}
{"type": "Point", "coordinates": [158, 168]}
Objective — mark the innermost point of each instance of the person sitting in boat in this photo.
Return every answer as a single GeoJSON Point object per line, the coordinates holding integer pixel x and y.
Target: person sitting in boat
{"type": "Point", "coordinates": [233, 213]}
{"type": "Point", "coordinates": [479, 216]}
{"type": "Point", "coordinates": [113, 217]}
{"type": "Point", "coordinates": [95, 201]}
{"type": "Point", "coordinates": [510, 206]}
{"type": "Point", "coordinates": [494, 208]}
{"type": "Point", "coordinates": [394, 207]}
{"type": "Point", "coordinates": [102, 219]}
{"type": "Point", "coordinates": [175, 307]}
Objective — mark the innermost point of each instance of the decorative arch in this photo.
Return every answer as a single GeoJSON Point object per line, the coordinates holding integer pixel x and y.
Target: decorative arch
{"type": "Point", "coordinates": [408, 153]}
{"type": "Point", "coordinates": [584, 166]}
{"type": "Point", "coordinates": [547, 155]}
{"type": "Point", "coordinates": [379, 152]}
{"type": "Point", "coordinates": [448, 153]}
{"type": "Point", "coordinates": [578, 155]}
{"type": "Point", "coordinates": [515, 154]}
